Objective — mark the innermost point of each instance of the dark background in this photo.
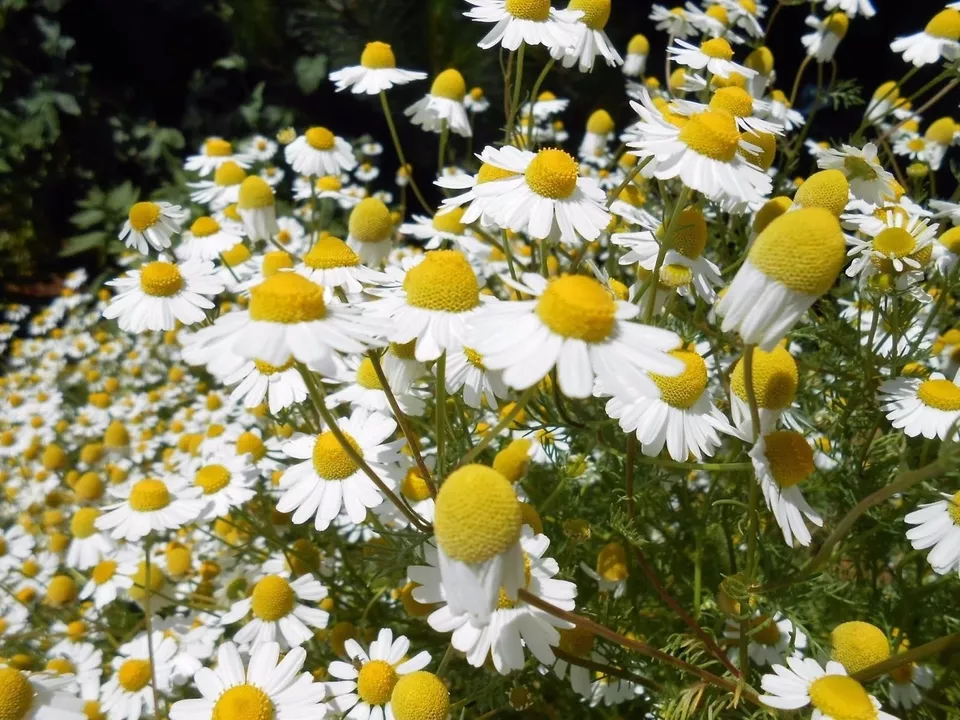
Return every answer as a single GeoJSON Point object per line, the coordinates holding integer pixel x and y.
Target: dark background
{"type": "Point", "coordinates": [150, 79]}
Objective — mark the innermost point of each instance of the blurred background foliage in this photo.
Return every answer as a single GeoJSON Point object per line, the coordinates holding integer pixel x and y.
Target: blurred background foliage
{"type": "Point", "coordinates": [100, 100]}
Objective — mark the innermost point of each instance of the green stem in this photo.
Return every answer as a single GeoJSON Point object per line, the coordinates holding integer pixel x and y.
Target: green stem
{"type": "Point", "coordinates": [661, 253]}
{"type": "Point", "coordinates": [611, 198]}
{"type": "Point", "coordinates": [515, 100]}
{"type": "Point", "coordinates": [493, 432]}
{"type": "Point", "coordinates": [399, 148]}
{"type": "Point", "coordinates": [935, 647]}
{"type": "Point", "coordinates": [753, 500]}
{"type": "Point", "coordinates": [444, 137]}
{"type": "Point", "coordinates": [441, 410]}
{"type": "Point", "coordinates": [533, 98]}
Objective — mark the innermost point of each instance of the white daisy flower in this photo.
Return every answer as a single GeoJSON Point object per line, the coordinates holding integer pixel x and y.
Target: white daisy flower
{"type": "Point", "coordinates": [159, 293]}
{"type": "Point", "coordinates": [939, 39]}
{"type": "Point", "coordinates": [747, 111]}
{"type": "Point", "coordinates": [576, 325]}
{"type": "Point", "coordinates": [331, 263]}
{"type": "Point", "coordinates": [444, 227]}
{"type": "Point", "coordinates": [794, 261]}
{"type": "Point", "coordinates": [207, 239]}
{"type": "Point", "coordinates": [266, 688]}
{"type": "Point", "coordinates": [771, 639]}
{"type": "Point", "coordinates": [906, 682]}
{"type": "Point", "coordinates": [226, 481]}
{"type": "Point", "coordinates": [851, 7]}
{"type": "Point", "coordinates": [38, 696]}
{"type": "Point", "coordinates": [362, 388]}
{"type": "Point", "coordinates": [16, 544]}
{"type": "Point", "coordinates": [930, 407]}
{"type": "Point", "coordinates": [223, 190]}
{"type": "Point", "coordinates": [822, 43]}
{"type": "Point", "coordinates": [533, 22]}
{"type": "Point", "coordinates": [481, 386]}
{"type": "Point", "coordinates": [82, 664]}
{"type": "Point", "coordinates": [833, 695]}
{"type": "Point", "coordinates": [110, 576]}
{"type": "Point", "coordinates": [88, 547]}
{"type": "Point", "coordinates": [213, 153]}
{"type": "Point", "coordinates": [546, 106]}
{"type": "Point", "coordinates": [148, 505]}
{"type": "Point", "coordinates": [128, 694]}
{"type": "Point", "coordinates": [376, 72]}
{"type": "Point", "coordinates": [543, 194]}
{"type": "Point", "coordinates": [370, 231]}
{"type": "Point", "coordinates": [272, 175]}
{"type": "Point", "coordinates": [680, 414]}
{"type": "Point", "coordinates": [891, 244]}
{"type": "Point", "coordinates": [281, 385]}
{"type": "Point", "coordinates": [946, 251]}
{"type": "Point", "coordinates": [775, 378]}
{"type": "Point", "coordinates": [415, 491]}
{"type": "Point", "coordinates": [937, 526]}
{"type": "Point", "coordinates": [260, 148]}
{"type": "Point", "coordinates": [868, 180]}
{"type": "Point", "coordinates": [366, 172]}
{"type": "Point", "coordinates": [673, 21]}
{"type": "Point", "coordinates": [747, 14]}
{"type": "Point", "coordinates": [781, 112]}
{"type": "Point", "coordinates": [715, 55]}
{"type": "Point", "coordinates": [277, 613]}
{"type": "Point", "coordinates": [638, 50]}
{"type": "Point", "coordinates": [319, 152]}
{"type": "Point", "coordinates": [707, 153]}
{"type": "Point", "coordinates": [513, 624]}
{"type": "Point", "coordinates": [443, 106]}
{"type": "Point", "coordinates": [257, 209]}
{"type": "Point", "coordinates": [781, 460]}
{"type": "Point", "coordinates": [325, 479]}
{"type": "Point", "coordinates": [590, 38]}
{"type": "Point", "coordinates": [151, 225]}
{"type": "Point", "coordinates": [612, 570]}
{"type": "Point", "coordinates": [363, 687]}
{"type": "Point", "coordinates": [475, 101]}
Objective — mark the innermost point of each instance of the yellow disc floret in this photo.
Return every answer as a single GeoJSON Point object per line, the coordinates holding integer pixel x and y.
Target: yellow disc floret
{"type": "Point", "coordinates": [596, 13]}
{"type": "Point", "coordinates": [444, 281]}
{"type": "Point", "coordinates": [330, 252]}
{"type": "Point", "coordinates": [16, 694]}
{"type": "Point", "coordinates": [255, 194]}
{"type": "Point", "coordinates": [685, 389]}
{"type": "Point", "coordinates": [287, 298]}
{"type": "Point", "coordinates": [149, 495]}
{"type": "Point", "coordinates": [376, 681]}
{"type": "Point", "coordinates": [319, 138]}
{"type": "Point", "coordinates": [272, 598]}
{"type": "Point", "coordinates": [689, 237]}
{"type": "Point", "coordinates": [367, 377]}
{"type": "Point", "coordinates": [143, 215]}
{"type": "Point", "coordinates": [450, 222]}
{"type": "Point", "coordinates": [212, 478]}
{"type": "Point", "coordinates": [577, 306]}
{"type": "Point", "coordinates": [600, 123]}
{"type": "Point", "coordinates": [237, 255]}
{"type": "Point", "coordinates": [612, 563]}
{"type": "Point", "coordinates": [204, 226]}
{"type": "Point", "coordinates": [420, 695]}
{"type": "Point", "coordinates": [553, 174]}
{"type": "Point", "coordinates": [450, 85]}
{"type": "Point", "coordinates": [217, 147]}
{"type": "Point", "coordinates": [837, 23]}
{"type": "Point", "coordinates": [229, 174]}
{"type": "Point", "coordinates": [330, 460]}
{"type": "Point", "coordinates": [790, 457]}
{"type": "Point", "coordinates": [160, 279]}
{"type": "Point", "coordinates": [841, 698]}
{"type": "Point", "coordinates": [275, 261]}
{"type": "Point", "coordinates": [941, 131]}
{"type": "Point", "coordinates": [940, 394]}
{"type": "Point", "coordinates": [538, 10]}
{"type": "Point", "coordinates": [378, 56]}
{"type": "Point", "coordinates": [803, 250]}
{"type": "Point", "coordinates": [733, 100]}
{"type": "Point", "coordinates": [858, 645]}
{"type": "Point", "coordinates": [477, 515]}
{"type": "Point", "coordinates": [945, 24]}
{"type": "Point", "coordinates": [771, 210]}
{"type": "Point", "coordinates": [490, 173]}
{"type": "Point", "coordinates": [827, 189]}
{"type": "Point", "coordinates": [244, 702]}
{"type": "Point", "coordinates": [370, 221]}
{"type": "Point", "coordinates": [717, 48]}
{"type": "Point", "coordinates": [134, 675]}
{"type": "Point", "coordinates": [712, 134]}
{"type": "Point", "coordinates": [760, 60]}
{"type": "Point", "coordinates": [414, 487]}
{"type": "Point", "coordinates": [639, 45]}
{"type": "Point", "coordinates": [61, 591]}
{"type": "Point", "coordinates": [83, 524]}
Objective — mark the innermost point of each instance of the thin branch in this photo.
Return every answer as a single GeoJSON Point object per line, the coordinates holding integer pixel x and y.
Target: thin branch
{"type": "Point", "coordinates": [608, 670]}
{"type": "Point", "coordinates": [900, 659]}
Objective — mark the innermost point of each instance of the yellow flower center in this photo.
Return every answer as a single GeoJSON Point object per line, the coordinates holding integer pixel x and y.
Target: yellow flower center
{"type": "Point", "coordinates": [143, 215]}
{"type": "Point", "coordinates": [858, 167]}
{"type": "Point", "coordinates": [826, 189]}
{"type": "Point", "coordinates": [149, 496]}
{"type": "Point", "coordinates": [612, 563]}
{"type": "Point", "coordinates": [134, 675]}
{"type": "Point", "coordinates": [841, 698]}
{"type": "Point", "coordinates": [713, 134]}
{"type": "Point", "coordinates": [370, 221]}
{"type": "Point", "coordinates": [229, 174]}
{"type": "Point", "coordinates": [474, 358]}
{"type": "Point", "coordinates": [803, 250]}
{"type": "Point", "coordinates": [444, 281]}
{"type": "Point", "coordinates": [761, 59]}
{"type": "Point", "coordinates": [376, 681]}
{"type": "Point", "coordinates": [330, 460]}
{"type": "Point", "coordinates": [450, 85]}
{"type": "Point", "coordinates": [902, 674]}
{"type": "Point", "coordinates": [538, 10]}
{"type": "Point", "coordinates": [272, 599]}
{"type": "Point", "coordinates": [789, 456]}
{"type": "Point", "coordinates": [490, 173]}
{"type": "Point", "coordinates": [719, 13]}
{"type": "Point", "coordinates": [596, 13]}
{"type": "Point", "coordinates": [717, 48]}
{"type": "Point", "coordinates": [287, 298]}
{"type": "Point", "coordinates": [686, 388]}
{"type": "Point", "coordinates": [894, 242]}
{"type": "Point", "coordinates": [600, 123]}
{"type": "Point", "coordinates": [160, 279]}
{"type": "Point", "coordinates": [768, 634]}
{"type": "Point", "coordinates": [420, 696]}
{"type": "Point", "coordinates": [941, 131]}
{"type": "Point", "coordinates": [577, 641]}
{"type": "Point", "coordinates": [377, 56]}
{"type": "Point", "coordinates": [217, 147]}
{"type": "Point", "coordinates": [275, 261]}
{"type": "Point", "coordinates": [250, 444]}
{"type": "Point", "coordinates": [953, 508]}
{"type": "Point", "coordinates": [244, 702]}
{"type": "Point", "coordinates": [503, 600]}
{"type": "Point", "coordinates": [236, 255]}
{"type": "Point", "coordinates": [330, 252]}
{"type": "Point", "coordinates": [77, 630]}
{"type": "Point", "coordinates": [265, 368]}
{"type": "Point", "coordinates": [858, 645]}
{"type": "Point", "coordinates": [553, 174]}
{"type": "Point", "coordinates": [116, 435]}
{"type": "Point", "coordinates": [733, 100]}
{"type": "Point", "coordinates": [255, 194]}
{"type": "Point", "coordinates": [329, 183]}
{"type": "Point", "coordinates": [689, 234]}
{"type": "Point", "coordinates": [16, 694]}
{"type": "Point", "coordinates": [916, 144]}
{"type": "Point", "coordinates": [450, 222]}
{"type": "Point", "coordinates": [639, 45]}
{"type": "Point", "coordinates": [367, 375]}
{"type": "Point", "coordinates": [320, 138]}
{"type": "Point", "coordinates": [577, 306]}
{"type": "Point", "coordinates": [477, 514]}
{"type": "Point", "coordinates": [104, 571]}
{"type": "Point", "coordinates": [212, 478]}
{"type": "Point", "coordinates": [414, 487]}
{"type": "Point", "coordinates": [838, 23]}
{"type": "Point", "coordinates": [945, 24]}
{"type": "Point", "coordinates": [61, 590]}
{"type": "Point", "coordinates": [940, 394]}
{"type": "Point", "coordinates": [83, 524]}
{"type": "Point", "coordinates": [60, 666]}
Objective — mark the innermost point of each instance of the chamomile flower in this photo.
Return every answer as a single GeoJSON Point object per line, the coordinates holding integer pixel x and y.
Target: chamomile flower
{"type": "Point", "coordinates": [278, 613]}
{"type": "Point", "coordinates": [612, 569]}
{"type": "Point", "coordinates": [576, 325]}
{"type": "Point", "coordinates": [151, 225]}
{"type": "Point", "coordinates": [225, 480]}
{"type": "Point", "coordinates": [207, 239]}
{"type": "Point", "coordinates": [445, 227]}
{"type": "Point", "coordinates": [129, 692]}
{"type": "Point", "coordinates": [223, 190]}
{"type": "Point", "coordinates": [906, 683]}
{"type": "Point", "coordinates": [673, 21]}
{"type": "Point", "coordinates": [38, 696]}
{"type": "Point", "coordinates": [833, 695]}
{"type": "Point", "coordinates": [213, 153]}
{"type": "Point", "coordinates": [707, 153]}
{"type": "Point", "coordinates": [868, 180]}
{"type": "Point", "coordinates": [361, 387]}
{"type": "Point", "coordinates": [111, 575]}
{"type": "Point", "coordinates": [775, 378]}
{"type": "Point", "coordinates": [363, 688]}
{"type": "Point", "coordinates": [257, 208]}
{"type": "Point", "coordinates": [481, 386]}
{"type": "Point", "coordinates": [376, 72]}
{"type": "Point", "coordinates": [325, 479]}
{"type": "Point", "coordinates": [513, 624]}
{"type": "Point", "coordinates": [443, 108]}
{"type": "Point", "coordinates": [533, 22]}
{"type": "Point", "coordinates": [543, 193]}
{"type": "Point", "coordinates": [679, 414]}
{"type": "Point", "coordinates": [794, 261]}
{"type": "Point", "coordinates": [160, 293]}
{"type": "Point", "coordinates": [771, 639]}
{"type": "Point", "coordinates": [822, 43]}
{"type": "Point", "coordinates": [260, 148]}
{"type": "Point", "coordinates": [332, 263]}
{"type": "Point", "coordinates": [937, 526]}
{"type": "Point", "coordinates": [939, 40]}
{"type": "Point", "coordinates": [150, 504]}
{"type": "Point", "coordinates": [88, 546]}
{"type": "Point", "coordinates": [319, 152]}
{"type": "Point", "coordinates": [638, 50]}
{"type": "Point", "coordinates": [928, 407]}
{"type": "Point", "coordinates": [894, 243]}
{"type": "Point", "coordinates": [371, 230]}
{"type": "Point", "coordinates": [15, 546]}
{"type": "Point", "coordinates": [851, 7]}
{"type": "Point", "coordinates": [281, 385]}
{"type": "Point", "coordinates": [946, 251]}
{"type": "Point", "coordinates": [715, 55]}
{"type": "Point", "coordinates": [590, 38]}
{"type": "Point", "coordinates": [781, 460]}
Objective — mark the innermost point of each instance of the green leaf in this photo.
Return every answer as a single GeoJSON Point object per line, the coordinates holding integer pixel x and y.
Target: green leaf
{"type": "Point", "coordinates": [122, 197]}
{"type": "Point", "coordinates": [88, 218]}
{"type": "Point", "coordinates": [66, 103]}
{"type": "Point", "coordinates": [251, 111]}
{"type": "Point", "coordinates": [310, 72]}
{"type": "Point", "coordinates": [231, 62]}
{"type": "Point", "coordinates": [81, 243]}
